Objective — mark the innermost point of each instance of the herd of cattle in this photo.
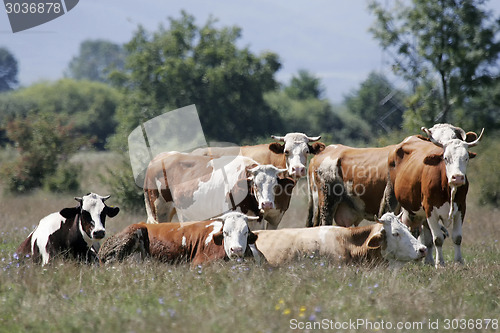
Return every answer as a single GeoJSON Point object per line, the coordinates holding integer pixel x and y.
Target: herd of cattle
{"type": "Point", "coordinates": [233, 193]}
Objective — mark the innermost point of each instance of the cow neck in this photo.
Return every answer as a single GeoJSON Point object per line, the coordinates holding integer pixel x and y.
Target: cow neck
{"type": "Point", "coordinates": [358, 244]}
{"type": "Point", "coordinates": [78, 222]}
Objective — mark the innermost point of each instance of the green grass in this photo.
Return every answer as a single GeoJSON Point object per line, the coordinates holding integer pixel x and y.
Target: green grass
{"type": "Point", "coordinates": [238, 296]}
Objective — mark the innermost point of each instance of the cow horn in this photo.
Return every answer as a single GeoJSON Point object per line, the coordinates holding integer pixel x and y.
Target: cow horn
{"type": "Point", "coordinates": [475, 142]}
{"type": "Point", "coordinates": [313, 138]}
{"type": "Point", "coordinates": [105, 198]}
{"type": "Point", "coordinates": [282, 170]}
{"type": "Point", "coordinates": [429, 134]}
{"type": "Point", "coordinates": [79, 199]}
{"type": "Point", "coordinates": [278, 138]}
{"type": "Point", "coordinates": [377, 220]}
{"type": "Point", "coordinates": [253, 218]}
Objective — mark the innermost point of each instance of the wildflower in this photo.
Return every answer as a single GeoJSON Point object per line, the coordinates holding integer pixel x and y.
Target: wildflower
{"type": "Point", "coordinates": [312, 317]}
{"type": "Point", "coordinates": [161, 300]}
{"type": "Point", "coordinates": [286, 311]}
{"type": "Point", "coordinates": [15, 256]}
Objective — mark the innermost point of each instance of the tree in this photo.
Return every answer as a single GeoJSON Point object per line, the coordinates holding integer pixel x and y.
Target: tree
{"type": "Point", "coordinates": [378, 103]}
{"type": "Point", "coordinates": [187, 64]}
{"type": "Point", "coordinates": [452, 44]}
{"type": "Point", "coordinates": [8, 70]}
{"type": "Point", "coordinates": [96, 59]}
{"type": "Point", "coordinates": [304, 86]}
{"type": "Point", "coordinates": [89, 106]}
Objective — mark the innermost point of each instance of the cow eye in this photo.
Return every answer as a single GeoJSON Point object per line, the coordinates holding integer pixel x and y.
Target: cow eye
{"type": "Point", "coordinates": [395, 234]}
{"type": "Point", "coordinates": [287, 152]}
{"type": "Point", "coordinates": [225, 233]}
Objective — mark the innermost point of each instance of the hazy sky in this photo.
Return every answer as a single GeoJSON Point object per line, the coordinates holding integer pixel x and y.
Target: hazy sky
{"type": "Point", "coordinates": [329, 38]}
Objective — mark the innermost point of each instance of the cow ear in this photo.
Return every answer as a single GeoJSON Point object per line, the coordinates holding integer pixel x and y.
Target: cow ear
{"type": "Point", "coordinates": [276, 148]}
{"type": "Point", "coordinates": [252, 238]}
{"type": "Point", "coordinates": [69, 213]}
{"type": "Point", "coordinates": [470, 137]}
{"type": "Point", "coordinates": [377, 240]}
{"type": "Point", "coordinates": [112, 211]}
{"type": "Point", "coordinates": [433, 159]}
{"type": "Point", "coordinates": [218, 237]}
{"type": "Point", "coordinates": [472, 155]}
{"type": "Point", "coordinates": [316, 148]}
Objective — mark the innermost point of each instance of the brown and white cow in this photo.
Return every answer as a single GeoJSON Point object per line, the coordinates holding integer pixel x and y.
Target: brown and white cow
{"type": "Point", "coordinates": [226, 237]}
{"type": "Point", "coordinates": [72, 232]}
{"type": "Point", "coordinates": [292, 155]}
{"type": "Point", "coordinates": [389, 240]}
{"type": "Point", "coordinates": [199, 187]}
{"type": "Point", "coordinates": [429, 180]}
{"type": "Point", "coordinates": [347, 185]}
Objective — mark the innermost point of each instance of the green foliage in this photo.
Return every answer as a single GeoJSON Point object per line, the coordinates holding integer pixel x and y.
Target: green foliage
{"type": "Point", "coordinates": [89, 106]}
{"type": "Point", "coordinates": [483, 171]}
{"type": "Point", "coordinates": [189, 64]}
{"type": "Point", "coordinates": [451, 42]}
{"type": "Point", "coordinates": [378, 103]}
{"type": "Point", "coordinates": [66, 178]}
{"type": "Point", "coordinates": [96, 59]}
{"type": "Point", "coordinates": [44, 144]}
{"type": "Point", "coordinates": [305, 86]}
{"type": "Point", "coordinates": [8, 70]}
{"type": "Point", "coordinates": [120, 180]}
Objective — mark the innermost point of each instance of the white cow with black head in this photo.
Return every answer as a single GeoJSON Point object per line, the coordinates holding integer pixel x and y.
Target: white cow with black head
{"type": "Point", "coordinates": [72, 232]}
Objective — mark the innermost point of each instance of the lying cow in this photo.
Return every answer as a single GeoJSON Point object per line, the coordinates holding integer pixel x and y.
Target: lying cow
{"type": "Point", "coordinates": [226, 237]}
{"type": "Point", "coordinates": [199, 187]}
{"type": "Point", "coordinates": [429, 180]}
{"type": "Point", "coordinates": [72, 232]}
{"type": "Point", "coordinates": [388, 240]}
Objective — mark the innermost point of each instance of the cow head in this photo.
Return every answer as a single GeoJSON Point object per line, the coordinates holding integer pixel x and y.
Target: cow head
{"type": "Point", "coordinates": [235, 233]}
{"type": "Point", "coordinates": [296, 147]}
{"type": "Point", "coordinates": [455, 156]}
{"type": "Point", "coordinates": [92, 213]}
{"type": "Point", "coordinates": [443, 133]}
{"type": "Point", "coordinates": [396, 241]}
{"type": "Point", "coordinates": [264, 179]}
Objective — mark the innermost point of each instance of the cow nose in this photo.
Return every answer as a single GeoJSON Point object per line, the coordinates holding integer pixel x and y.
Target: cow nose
{"type": "Point", "coordinates": [98, 234]}
{"type": "Point", "coordinates": [458, 179]}
{"type": "Point", "coordinates": [299, 171]}
{"type": "Point", "coordinates": [266, 205]}
{"type": "Point", "coordinates": [237, 251]}
{"type": "Point", "coordinates": [423, 251]}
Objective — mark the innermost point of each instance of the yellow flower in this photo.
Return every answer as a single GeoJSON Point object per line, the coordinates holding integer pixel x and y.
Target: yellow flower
{"type": "Point", "coordinates": [302, 309]}
{"type": "Point", "coordinates": [286, 312]}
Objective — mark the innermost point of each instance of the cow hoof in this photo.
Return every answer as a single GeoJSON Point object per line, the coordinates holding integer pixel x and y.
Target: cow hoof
{"type": "Point", "coordinates": [440, 265]}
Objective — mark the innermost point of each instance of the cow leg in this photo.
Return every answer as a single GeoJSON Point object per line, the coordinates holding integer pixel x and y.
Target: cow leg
{"type": "Point", "coordinates": [313, 204]}
{"type": "Point", "coordinates": [457, 238]}
{"type": "Point", "coordinates": [437, 237]}
{"type": "Point", "coordinates": [273, 218]}
{"type": "Point", "coordinates": [332, 195]}
{"type": "Point", "coordinates": [426, 239]}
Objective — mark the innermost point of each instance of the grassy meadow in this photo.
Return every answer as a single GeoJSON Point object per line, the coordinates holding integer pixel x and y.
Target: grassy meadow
{"type": "Point", "coordinates": [242, 296]}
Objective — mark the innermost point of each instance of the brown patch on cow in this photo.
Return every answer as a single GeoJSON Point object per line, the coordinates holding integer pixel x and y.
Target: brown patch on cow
{"type": "Point", "coordinates": [119, 247]}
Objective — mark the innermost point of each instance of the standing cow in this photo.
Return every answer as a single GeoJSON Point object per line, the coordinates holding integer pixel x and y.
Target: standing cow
{"type": "Point", "coordinates": [347, 185]}
{"type": "Point", "coordinates": [72, 232]}
{"type": "Point", "coordinates": [429, 180]}
{"type": "Point", "coordinates": [199, 187]}
{"type": "Point", "coordinates": [292, 155]}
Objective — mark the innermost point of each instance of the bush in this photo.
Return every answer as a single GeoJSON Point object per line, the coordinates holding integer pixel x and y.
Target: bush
{"type": "Point", "coordinates": [65, 179]}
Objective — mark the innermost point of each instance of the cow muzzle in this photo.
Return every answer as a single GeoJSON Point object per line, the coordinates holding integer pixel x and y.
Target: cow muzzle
{"type": "Point", "coordinates": [298, 171]}
{"type": "Point", "coordinates": [236, 252]}
{"type": "Point", "coordinates": [457, 180]}
{"type": "Point", "coordinates": [266, 205]}
{"type": "Point", "coordinates": [422, 252]}
{"type": "Point", "coordinates": [98, 234]}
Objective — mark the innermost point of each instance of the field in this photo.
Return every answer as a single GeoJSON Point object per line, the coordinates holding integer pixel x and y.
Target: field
{"type": "Point", "coordinates": [309, 295]}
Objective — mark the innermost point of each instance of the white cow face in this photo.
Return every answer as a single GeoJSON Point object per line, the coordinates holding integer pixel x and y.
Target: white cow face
{"type": "Point", "coordinates": [455, 153]}
{"type": "Point", "coordinates": [93, 212]}
{"type": "Point", "coordinates": [296, 147]}
{"type": "Point", "coordinates": [396, 241]}
{"type": "Point", "coordinates": [235, 233]}
{"type": "Point", "coordinates": [264, 180]}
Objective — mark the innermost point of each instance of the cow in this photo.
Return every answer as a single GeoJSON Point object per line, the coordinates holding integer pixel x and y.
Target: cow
{"type": "Point", "coordinates": [443, 133]}
{"type": "Point", "coordinates": [429, 181]}
{"type": "Point", "coordinates": [133, 239]}
{"type": "Point", "coordinates": [386, 241]}
{"type": "Point", "coordinates": [72, 232]}
{"type": "Point", "coordinates": [222, 238]}
{"type": "Point", "coordinates": [199, 187]}
{"type": "Point", "coordinates": [347, 185]}
{"type": "Point", "coordinates": [292, 154]}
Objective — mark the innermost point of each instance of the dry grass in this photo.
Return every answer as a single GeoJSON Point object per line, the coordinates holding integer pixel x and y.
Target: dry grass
{"type": "Point", "coordinates": [237, 296]}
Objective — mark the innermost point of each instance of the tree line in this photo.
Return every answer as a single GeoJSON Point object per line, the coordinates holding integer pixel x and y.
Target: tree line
{"type": "Point", "coordinates": [448, 58]}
